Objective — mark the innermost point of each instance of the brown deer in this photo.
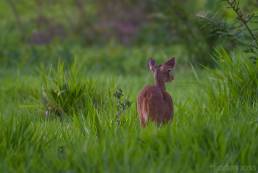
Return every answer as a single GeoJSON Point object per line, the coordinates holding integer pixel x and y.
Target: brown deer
{"type": "Point", "coordinates": [154, 102]}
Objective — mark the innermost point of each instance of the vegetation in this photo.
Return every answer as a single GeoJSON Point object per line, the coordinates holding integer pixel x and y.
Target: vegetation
{"type": "Point", "coordinates": [69, 85]}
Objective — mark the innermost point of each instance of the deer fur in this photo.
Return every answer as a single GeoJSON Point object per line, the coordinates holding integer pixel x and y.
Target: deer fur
{"type": "Point", "coordinates": [154, 102]}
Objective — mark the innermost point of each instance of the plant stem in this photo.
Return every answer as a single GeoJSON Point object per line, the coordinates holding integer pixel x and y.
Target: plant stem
{"type": "Point", "coordinates": [234, 5]}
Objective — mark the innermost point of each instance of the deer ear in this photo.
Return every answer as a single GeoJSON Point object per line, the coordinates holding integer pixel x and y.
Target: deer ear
{"type": "Point", "coordinates": [171, 62]}
{"type": "Point", "coordinates": [152, 64]}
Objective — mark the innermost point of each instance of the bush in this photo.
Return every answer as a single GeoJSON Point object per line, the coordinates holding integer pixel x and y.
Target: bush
{"type": "Point", "coordinates": [65, 93]}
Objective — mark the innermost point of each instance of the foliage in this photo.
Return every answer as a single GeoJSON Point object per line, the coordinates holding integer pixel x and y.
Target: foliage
{"type": "Point", "coordinates": [241, 32]}
{"type": "Point", "coordinates": [234, 82]}
{"type": "Point", "coordinates": [64, 92]}
{"type": "Point", "coordinates": [121, 102]}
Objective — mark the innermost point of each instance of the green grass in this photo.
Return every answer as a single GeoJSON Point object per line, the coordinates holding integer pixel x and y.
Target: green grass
{"type": "Point", "coordinates": [202, 138]}
{"type": "Point", "coordinates": [58, 112]}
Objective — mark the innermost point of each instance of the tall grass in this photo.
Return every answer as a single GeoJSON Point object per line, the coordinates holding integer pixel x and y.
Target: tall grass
{"type": "Point", "coordinates": [66, 92]}
{"type": "Point", "coordinates": [234, 82]}
{"type": "Point", "coordinates": [205, 135]}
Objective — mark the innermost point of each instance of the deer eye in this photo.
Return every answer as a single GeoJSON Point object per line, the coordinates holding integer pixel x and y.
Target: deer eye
{"type": "Point", "coordinates": [169, 71]}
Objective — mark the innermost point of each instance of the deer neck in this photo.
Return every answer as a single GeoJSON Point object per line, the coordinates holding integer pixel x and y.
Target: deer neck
{"type": "Point", "coordinates": [160, 84]}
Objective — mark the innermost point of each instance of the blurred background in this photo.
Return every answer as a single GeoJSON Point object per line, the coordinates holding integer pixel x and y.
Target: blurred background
{"type": "Point", "coordinates": [116, 34]}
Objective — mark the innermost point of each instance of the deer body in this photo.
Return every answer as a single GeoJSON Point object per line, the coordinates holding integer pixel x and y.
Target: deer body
{"type": "Point", "coordinates": [153, 102]}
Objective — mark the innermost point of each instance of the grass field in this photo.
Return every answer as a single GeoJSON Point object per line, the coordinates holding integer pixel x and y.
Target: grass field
{"type": "Point", "coordinates": [212, 130]}
{"type": "Point", "coordinates": [70, 72]}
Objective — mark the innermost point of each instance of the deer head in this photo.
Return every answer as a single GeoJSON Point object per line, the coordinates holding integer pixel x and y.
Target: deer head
{"type": "Point", "coordinates": [162, 73]}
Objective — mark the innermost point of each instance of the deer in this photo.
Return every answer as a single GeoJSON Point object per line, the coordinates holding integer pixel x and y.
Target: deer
{"type": "Point", "coordinates": [154, 102]}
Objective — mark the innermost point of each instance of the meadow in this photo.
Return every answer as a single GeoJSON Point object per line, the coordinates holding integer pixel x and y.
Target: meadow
{"type": "Point", "coordinates": [69, 108]}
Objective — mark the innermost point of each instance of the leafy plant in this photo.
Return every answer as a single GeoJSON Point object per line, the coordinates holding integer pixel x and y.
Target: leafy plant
{"type": "Point", "coordinates": [244, 19]}
{"type": "Point", "coordinates": [240, 32]}
{"type": "Point", "coordinates": [122, 103]}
